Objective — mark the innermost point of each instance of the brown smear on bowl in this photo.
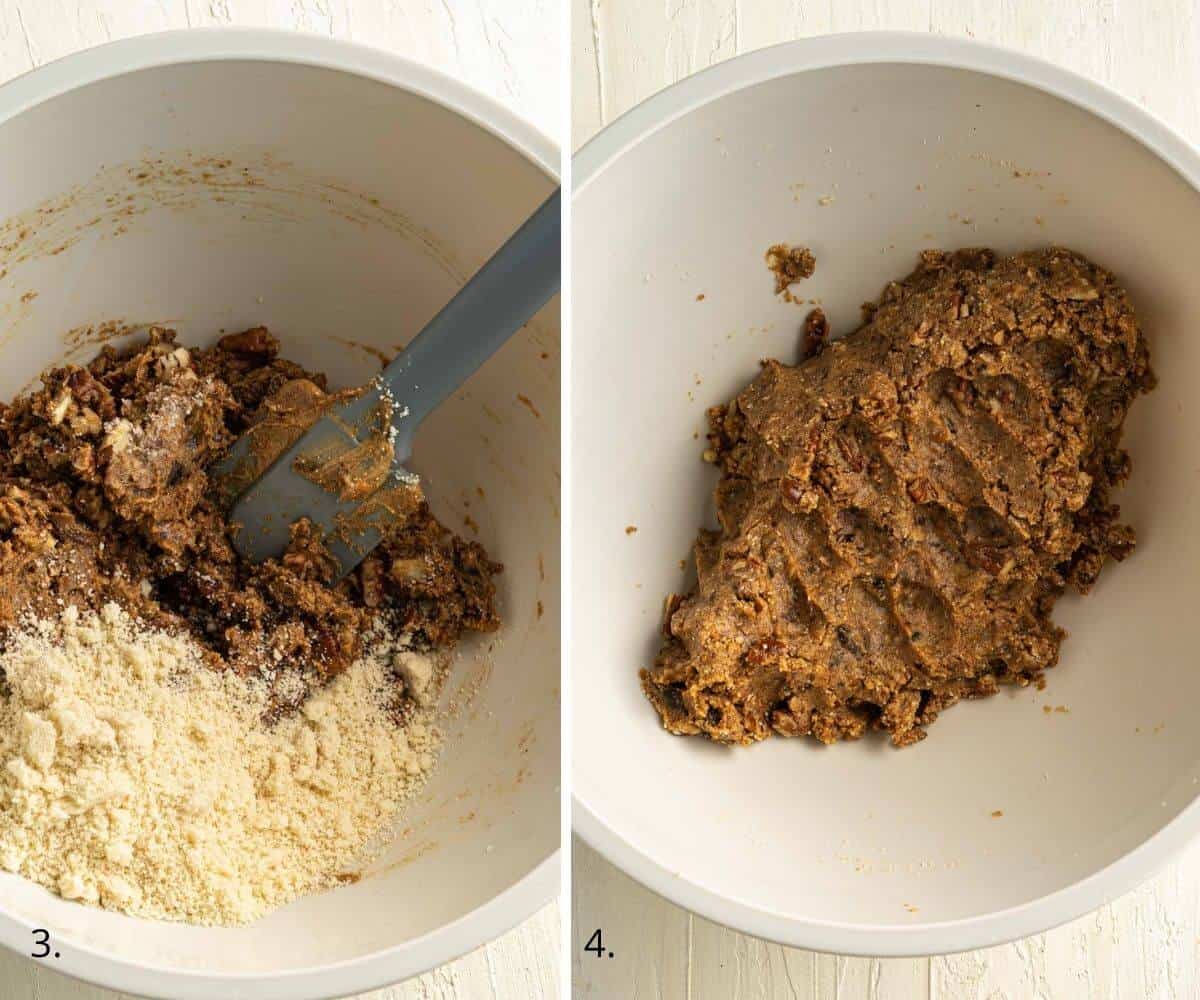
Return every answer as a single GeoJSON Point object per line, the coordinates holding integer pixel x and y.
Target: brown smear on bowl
{"type": "Point", "coordinates": [258, 185]}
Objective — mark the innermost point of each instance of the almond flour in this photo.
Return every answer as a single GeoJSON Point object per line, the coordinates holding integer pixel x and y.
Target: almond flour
{"type": "Point", "coordinates": [135, 777]}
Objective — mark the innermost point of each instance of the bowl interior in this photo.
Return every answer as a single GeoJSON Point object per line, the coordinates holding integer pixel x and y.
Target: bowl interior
{"type": "Point", "coordinates": [867, 165]}
{"type": "Point", "coordinates": [342, 213]}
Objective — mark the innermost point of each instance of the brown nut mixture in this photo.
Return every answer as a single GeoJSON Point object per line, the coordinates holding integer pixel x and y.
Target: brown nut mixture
{"type": "Point", "coordinates": [105, 495]}
{"type": "Point", "coordinates": [900, 512]}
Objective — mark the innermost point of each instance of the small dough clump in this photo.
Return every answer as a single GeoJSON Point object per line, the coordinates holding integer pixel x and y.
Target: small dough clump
{"type": "Point", "coordinates": [789, 265]}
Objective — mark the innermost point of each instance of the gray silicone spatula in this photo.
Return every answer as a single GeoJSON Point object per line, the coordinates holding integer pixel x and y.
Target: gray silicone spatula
{"type": "Point", "coordinates": [502, 296]}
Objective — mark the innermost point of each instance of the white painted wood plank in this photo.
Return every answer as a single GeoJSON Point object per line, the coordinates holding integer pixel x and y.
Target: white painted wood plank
{"type": "Point", "coordinates": [766, 24]}
{"type": "Point", "coordinates": [648, 937]}
{"type": "Point", "coordinates": [523, 963]}
{"type": "Point", "coordinates": [745, 966]}
{"type": "Point", "coordinates": [646, 46]}
{"type": "Point", "coordinates": [1148, 943]}
{"type": "Point", "coordinates": [508, 49]}
{"type": "Point", "coordinates": [587, 112]}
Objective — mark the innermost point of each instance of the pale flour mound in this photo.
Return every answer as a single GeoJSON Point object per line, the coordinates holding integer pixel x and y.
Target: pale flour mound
{"type": "Point", "coordinates": [135, 777]}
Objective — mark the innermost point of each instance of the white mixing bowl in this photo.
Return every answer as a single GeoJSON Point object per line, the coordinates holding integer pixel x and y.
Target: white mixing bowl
{"type": "Point", "coordinates": [216, 180]}
{"type": "Point", "coordinates": [868, 148]}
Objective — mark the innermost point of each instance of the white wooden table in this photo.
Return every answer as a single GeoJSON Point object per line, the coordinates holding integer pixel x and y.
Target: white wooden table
{"type": "Point", "coordinates": [509, 49]}
{"type": "Point", "coordinates": [1144, 945]}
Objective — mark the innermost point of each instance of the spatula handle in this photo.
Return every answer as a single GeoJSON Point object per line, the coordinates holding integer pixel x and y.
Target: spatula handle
{"type": "Point", "coordinates": [503, 295]}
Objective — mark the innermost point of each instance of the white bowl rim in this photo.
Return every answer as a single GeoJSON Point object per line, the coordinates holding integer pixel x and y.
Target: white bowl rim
{"type": "Point", "coordinates": [826, 52]}
{"type": "Point", "coordinates": [541, 884]}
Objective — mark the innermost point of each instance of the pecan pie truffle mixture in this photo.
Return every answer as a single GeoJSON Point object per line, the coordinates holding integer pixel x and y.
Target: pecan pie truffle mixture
{"type": "Point", "coordinates": [900, 512]}
{"type": "Point", "coordinates": [106, 496]}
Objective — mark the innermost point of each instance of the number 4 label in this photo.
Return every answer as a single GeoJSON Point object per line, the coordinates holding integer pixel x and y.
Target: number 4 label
{"type": "Point", "coordinates": [595, 944]}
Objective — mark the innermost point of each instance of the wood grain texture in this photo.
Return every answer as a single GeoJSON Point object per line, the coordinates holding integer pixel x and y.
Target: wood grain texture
{"type": "Point", "coordinates": [625, 50]}
{"type": "Point", "coordinates": [1146, 944]}
{"type": "Point", "coordinates": [508, 49]}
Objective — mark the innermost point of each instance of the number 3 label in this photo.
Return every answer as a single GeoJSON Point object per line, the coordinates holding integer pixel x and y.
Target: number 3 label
{"type": "Point", "coordinates": [41, 938]}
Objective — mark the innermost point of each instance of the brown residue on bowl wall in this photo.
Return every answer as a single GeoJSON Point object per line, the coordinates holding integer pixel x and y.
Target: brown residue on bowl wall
{"type": "Point", "coordinates": [462, 699]}
{"type": "Point", "coordinates": [1010, 167]}
{"type": "Point", "coordinates": [264, 184]}
{"type": "Point", "coordinates": [254, 184]}
{"type": "Point", "coordinates": [407, 859]}
{"type": "Point", "coordinates": [382, 357]}
{"type": "Point", "coordinates": [92, 335]}
{"type": "Point", "coordinates": [528, 404]}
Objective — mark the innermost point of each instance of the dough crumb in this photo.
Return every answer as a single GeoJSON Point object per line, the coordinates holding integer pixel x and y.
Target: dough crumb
{"type": "Point", "coordinates": [789, 265]}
